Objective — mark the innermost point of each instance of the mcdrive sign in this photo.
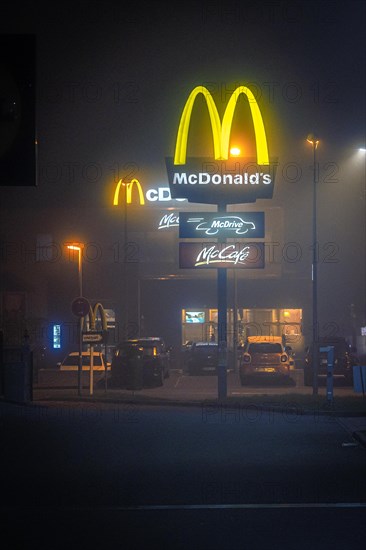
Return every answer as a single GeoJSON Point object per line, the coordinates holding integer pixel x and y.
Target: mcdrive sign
{"type": "Point", "coordinates": [224, 255]}
{"type": "Point", "coordinates": [221, 180]}
{"type": "Point", "coordinates": [224, 225]}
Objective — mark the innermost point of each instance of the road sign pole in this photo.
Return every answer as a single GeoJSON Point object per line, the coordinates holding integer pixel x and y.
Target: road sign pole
{"type": "Point", "coordinates": [330, 368]}
{"type": "Point", "coordinates": [80, 308]}
{"type": "Point", "coordinates": [91, 380]}
{"type": "Point", "coordinates": [80, 365]}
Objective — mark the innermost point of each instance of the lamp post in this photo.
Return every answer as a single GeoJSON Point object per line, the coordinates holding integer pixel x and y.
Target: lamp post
{"type": "Point", "coordinates": [313, 140]}
{"type": "Point", "coordinates": [79, 248]}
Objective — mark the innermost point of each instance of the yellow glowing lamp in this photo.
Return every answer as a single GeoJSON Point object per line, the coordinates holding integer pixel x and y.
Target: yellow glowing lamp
{"type": "Point", "coordinates": [313, 140]}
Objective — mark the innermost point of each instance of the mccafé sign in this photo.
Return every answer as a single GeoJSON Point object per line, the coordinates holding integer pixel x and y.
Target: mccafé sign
{"type": "Point", "coordinates": [221, 255]}
{"type": "Point", "coordinates": [221, 180]}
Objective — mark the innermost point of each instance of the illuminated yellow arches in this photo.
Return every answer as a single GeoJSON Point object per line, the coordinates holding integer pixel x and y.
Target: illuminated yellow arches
{"type": "Point", "coordinates": [129, 187]}
{"type": "Point", "coordinates": [221, 133]}
{"type": "Point", "coordinates": [93, 316]}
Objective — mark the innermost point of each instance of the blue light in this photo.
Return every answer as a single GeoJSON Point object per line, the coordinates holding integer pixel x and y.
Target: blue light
{"type": "Point", "coordinates": [56, 337]}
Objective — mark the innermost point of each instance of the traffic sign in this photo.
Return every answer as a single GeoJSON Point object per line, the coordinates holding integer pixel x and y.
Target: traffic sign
{"type": "Point", "coordinates": [80, 307]}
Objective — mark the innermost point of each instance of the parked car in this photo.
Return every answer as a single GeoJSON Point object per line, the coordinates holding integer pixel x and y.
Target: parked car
{"type": "Point", "coordinates": [264, 356]}
{"type": "Point", "coordinates": [140, 361]}
{"type": "Point", "coordinates": [345, 358]}
{"type": "Point", "coordinates": [71, 361]}
{"type": "Point", "coordinates": [203, 358]}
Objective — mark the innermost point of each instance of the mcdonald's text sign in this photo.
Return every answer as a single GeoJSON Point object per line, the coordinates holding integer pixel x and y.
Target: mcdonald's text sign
{"type": "Point", "coordinates": [222, 180]}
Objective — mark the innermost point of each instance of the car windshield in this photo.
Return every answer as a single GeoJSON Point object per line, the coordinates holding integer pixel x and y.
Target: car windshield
{"type": "Point", "coordinates": [265, 347]}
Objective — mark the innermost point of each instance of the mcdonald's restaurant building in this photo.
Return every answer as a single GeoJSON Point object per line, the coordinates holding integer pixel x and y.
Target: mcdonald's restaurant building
{"type": "Point", "coordinates": [181, 303]}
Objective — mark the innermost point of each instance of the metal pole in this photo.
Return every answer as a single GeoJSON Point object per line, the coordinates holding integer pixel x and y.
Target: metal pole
{"type": "Point", "coordinates": [330, 371]}
{"type": "Point", "coordinates": [80, 366]}
{"type": "Point", "coordinates": [222, 322]}
{"type": "Point", "coordinates": [80, 272]}
{"type": "Point", "coordinates": [125, 246]}
{"type": "Point", "coordinates": [91, 379]}
{"type": "Point", "coordinates": [106, 366]}
{"type": "Point", "coordinates": [235, 322]}
{"type": "Point", "coordinates": [315, 353]}
{"type": "Point", "coordinates": [139, 306]}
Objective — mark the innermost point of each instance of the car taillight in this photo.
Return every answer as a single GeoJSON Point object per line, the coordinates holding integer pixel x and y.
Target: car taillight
{"type": "Point", "coordinates": [284, 358]}
{"type": "Point", "coordinates": [246, 358]}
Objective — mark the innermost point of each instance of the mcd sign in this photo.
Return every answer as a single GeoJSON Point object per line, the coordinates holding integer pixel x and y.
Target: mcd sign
{"type": "Point", "coordinates": [222, 180]}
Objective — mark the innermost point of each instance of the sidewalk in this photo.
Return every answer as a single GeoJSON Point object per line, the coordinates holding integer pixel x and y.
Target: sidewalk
{"type": "Point", "coordinates": [179, 390]}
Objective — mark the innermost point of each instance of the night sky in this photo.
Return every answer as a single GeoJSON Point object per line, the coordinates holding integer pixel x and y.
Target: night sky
{"type": "Point", "coordinates": [112, 80]}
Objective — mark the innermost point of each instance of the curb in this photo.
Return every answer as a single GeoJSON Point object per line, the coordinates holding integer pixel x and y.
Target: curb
{"type": "Point", "coordinates": [284, 408]}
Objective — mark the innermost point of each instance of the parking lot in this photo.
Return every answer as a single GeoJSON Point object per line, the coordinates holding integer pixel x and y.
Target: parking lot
{"type": "Point", "coordinates": [181, 386]}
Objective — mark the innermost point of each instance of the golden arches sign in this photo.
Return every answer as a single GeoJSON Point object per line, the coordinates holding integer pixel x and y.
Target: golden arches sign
{"type": "Point", "coordinates": [93, 317]}
{"type": "Point", "coordinates": [221, 180]}
{"type": "Point", "coordinates": [221, 132]}
{"type": "Point", "coordinates": [129, 187]}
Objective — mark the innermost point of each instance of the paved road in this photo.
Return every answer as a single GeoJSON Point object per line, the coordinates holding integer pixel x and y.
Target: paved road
{"type": "Point", "coordinates": [180, 478]}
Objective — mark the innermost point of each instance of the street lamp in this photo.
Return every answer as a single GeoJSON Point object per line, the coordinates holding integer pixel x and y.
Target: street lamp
{"type": "Point", "coordinates": [79, 248]}
{"type": "Point", "coordinates": [313, 140]}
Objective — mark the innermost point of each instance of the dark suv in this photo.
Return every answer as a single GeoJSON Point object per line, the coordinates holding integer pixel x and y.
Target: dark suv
{"type": "Point", "coordinates": [140, 362]}
{"type": "Point", "coordinates": [345, 359]}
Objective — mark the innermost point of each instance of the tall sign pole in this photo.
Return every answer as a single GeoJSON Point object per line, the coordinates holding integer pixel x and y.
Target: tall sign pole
{"type": "Point", "coordinates": [222, 322]}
